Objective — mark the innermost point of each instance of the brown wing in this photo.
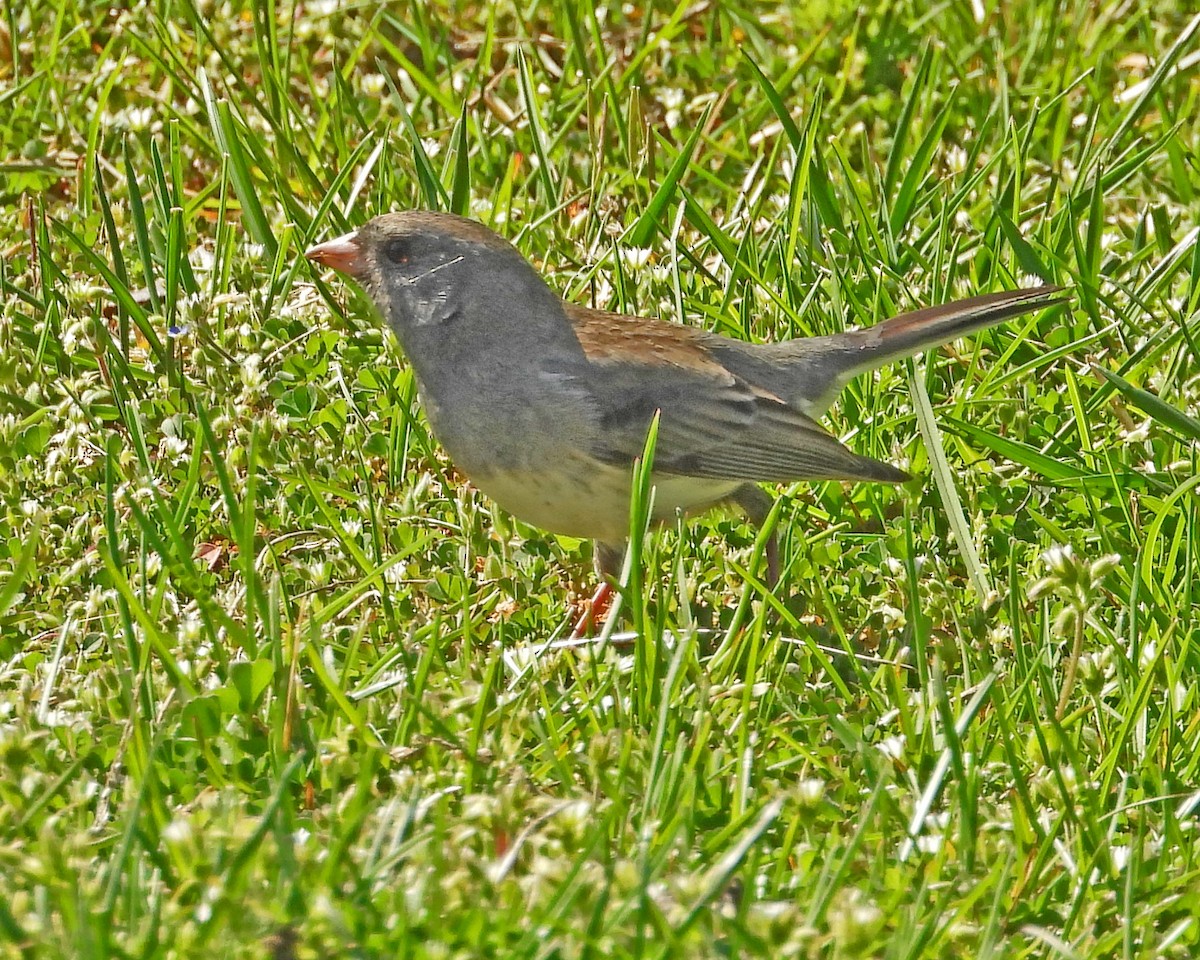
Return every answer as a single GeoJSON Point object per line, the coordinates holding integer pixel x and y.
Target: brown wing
{"type": "Point", "coordinates": [713, 424]}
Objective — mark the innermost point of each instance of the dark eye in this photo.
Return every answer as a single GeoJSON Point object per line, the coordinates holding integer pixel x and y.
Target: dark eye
{"type": "Point", "coordinates": [397, 250]}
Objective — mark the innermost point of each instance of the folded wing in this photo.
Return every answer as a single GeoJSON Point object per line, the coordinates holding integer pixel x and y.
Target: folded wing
{"type": "Point", "coordinates": [713, 423]}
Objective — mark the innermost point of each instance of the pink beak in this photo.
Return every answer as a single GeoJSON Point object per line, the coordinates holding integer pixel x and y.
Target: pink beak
{"type": "Point", "coordinates": [343, 254]}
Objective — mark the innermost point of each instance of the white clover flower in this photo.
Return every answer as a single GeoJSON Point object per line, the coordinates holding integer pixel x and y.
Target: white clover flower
{"type": "Point", "coordinates": [671, 97]}
{"type": "Point", "coordinates": [1059, 559]}
{"type": "Point", "coordinates": [604, 291]}
{"type": "Point", "coordinates": [373, 84]}
{"type": "Point", "coordinates": [251, 371]}
{"type": "Point", "coordinates": [137, 118]}
{"type": "Point", "coordinates": [394, 575]}
{"type": "Point", "coordinates": [96, 599]}
{"type": "Point", "coordinates": [852, 919]}
{"type": "Point", "coordinates": [176, 832]}
{"type": "Point", "coordinates": [930, 843]}
{"type": "Point", "coordinates": [810, 791]}
{"type": "Point", "coordinates": [201, 258]}
{"type": "Point", "coordinates": [173, 449]}
{"type": "Point", "coordinates": [635, 257]}
{"type": "Point", "coordinates": [892, 747]}
{"type": "Point", "coordinates": [893, 617]}
{"type": "Point", "coordinates": [956, 159]}
{"type": "Point", "coordinates": [672, 100]}
{"type": "Point", "coordinates": [660, 272]}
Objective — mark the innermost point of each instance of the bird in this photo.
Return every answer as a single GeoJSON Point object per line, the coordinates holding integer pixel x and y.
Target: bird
{"type": "Point", "coordinates": [545, 404]}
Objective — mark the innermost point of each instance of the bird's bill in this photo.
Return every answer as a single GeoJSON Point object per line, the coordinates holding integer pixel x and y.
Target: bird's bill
{"type": "Point", "coordinates": [343, 253]}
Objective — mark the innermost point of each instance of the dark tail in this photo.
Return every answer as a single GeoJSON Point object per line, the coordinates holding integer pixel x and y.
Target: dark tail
{"type": "Point", "coordinates": [824, 365]}
{"type": "Point", "coordinates": [909, 333]}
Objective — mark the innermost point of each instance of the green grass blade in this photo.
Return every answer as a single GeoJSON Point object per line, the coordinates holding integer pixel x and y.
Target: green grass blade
{"type": "Point", "coordinates": [546, 172]}
{"type": "Point", "coordinates": [1154, 407]}
{"type": "Point", "coordinates": [648, 223]}
{"type": "Point", "coordinates": [944, 478]}
{"type": "Point", "coordinates": [460, 186]}
{"type": "Point", "coordinates": [229, 140]}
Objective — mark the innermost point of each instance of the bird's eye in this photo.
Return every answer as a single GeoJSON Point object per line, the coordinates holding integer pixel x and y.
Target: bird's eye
{"type": "Point", "coordinates": [397, 250]}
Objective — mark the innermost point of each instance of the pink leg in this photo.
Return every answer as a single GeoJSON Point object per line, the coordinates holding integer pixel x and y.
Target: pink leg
{"type": "Point", "coordinates": [607, 557]}
{"type": "Point", "coordinates": [594, 611]}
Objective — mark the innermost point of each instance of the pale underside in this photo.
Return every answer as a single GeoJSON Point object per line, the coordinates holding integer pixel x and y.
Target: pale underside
{"type": "Point", "coordinates": [590, 500]}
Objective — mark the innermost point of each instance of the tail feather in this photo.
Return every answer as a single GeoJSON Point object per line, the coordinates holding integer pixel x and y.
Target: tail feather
{"type": "Point", "coordinates": [829, 363]}
{"type": "Point", "coordinates": [861, 350]}
{"type": "Point", "coordinates": [810, 372]}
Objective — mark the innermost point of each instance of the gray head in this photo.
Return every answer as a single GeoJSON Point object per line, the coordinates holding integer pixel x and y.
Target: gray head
{"type": "Point", "coordinates": [441, 280]}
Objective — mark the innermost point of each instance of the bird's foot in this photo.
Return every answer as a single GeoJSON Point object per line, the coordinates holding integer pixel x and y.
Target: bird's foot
{"type": "Point", "coordinates": [594, 611]}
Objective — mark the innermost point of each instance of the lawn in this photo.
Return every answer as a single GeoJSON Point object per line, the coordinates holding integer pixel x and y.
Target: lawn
{"type": "Point", "coordinates": [276, 681]}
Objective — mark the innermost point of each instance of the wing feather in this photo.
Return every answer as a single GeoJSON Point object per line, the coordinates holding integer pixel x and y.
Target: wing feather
{"type": "Point", "coordinates": [713, 424]}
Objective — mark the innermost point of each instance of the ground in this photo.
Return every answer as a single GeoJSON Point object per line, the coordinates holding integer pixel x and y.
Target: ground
{"type": "Point", "coordinates": [276, 681]}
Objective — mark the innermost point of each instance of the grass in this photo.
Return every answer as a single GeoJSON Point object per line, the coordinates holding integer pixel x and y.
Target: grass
{"type": "Point", "coordinates": [275, 680]}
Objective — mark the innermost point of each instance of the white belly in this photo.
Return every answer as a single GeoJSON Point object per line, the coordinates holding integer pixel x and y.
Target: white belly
{"type": "Point", "coordinates": [583, 498]}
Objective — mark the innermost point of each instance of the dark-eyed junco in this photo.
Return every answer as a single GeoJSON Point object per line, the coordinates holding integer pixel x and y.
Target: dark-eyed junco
{"type": "Point", "coordinates": [545, 404]}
